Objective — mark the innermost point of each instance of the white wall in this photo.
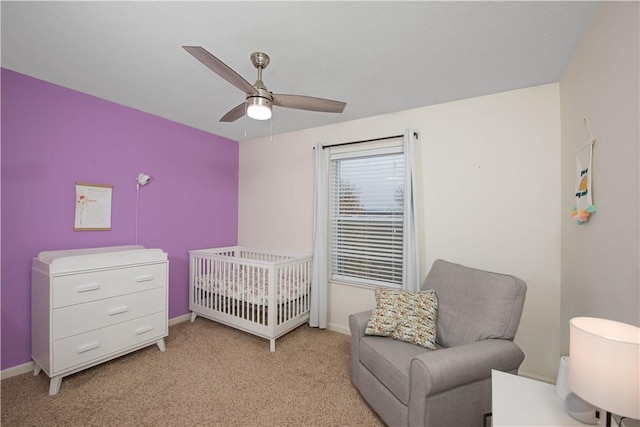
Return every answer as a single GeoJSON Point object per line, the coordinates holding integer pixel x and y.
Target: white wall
{"type": "Point", "coordinates": [600, 259]}
{"type": "Point", "coordinates": [489, 169]}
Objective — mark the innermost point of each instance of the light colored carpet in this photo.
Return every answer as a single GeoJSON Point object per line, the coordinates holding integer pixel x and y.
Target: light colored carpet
{"type": "Point", "coordinates": [209, 375]}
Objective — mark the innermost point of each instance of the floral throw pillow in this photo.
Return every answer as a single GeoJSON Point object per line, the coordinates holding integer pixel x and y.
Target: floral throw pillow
{"type": "Point", "coordinates": [405, 316]}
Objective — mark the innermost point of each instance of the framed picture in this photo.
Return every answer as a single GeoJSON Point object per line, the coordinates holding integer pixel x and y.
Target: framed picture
{"type": "Point", "coordinates": [93, 207]}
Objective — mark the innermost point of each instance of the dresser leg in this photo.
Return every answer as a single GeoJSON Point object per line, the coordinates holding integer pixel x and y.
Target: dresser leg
{"type": "Point", "coordinates": [36, 369]}
{"type": "Point", "coordinates": [161, 345]}
{"type": "Point", "coordinates": [54, 385]}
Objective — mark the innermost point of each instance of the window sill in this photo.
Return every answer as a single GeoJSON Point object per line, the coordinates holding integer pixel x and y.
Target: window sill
{"type": "Point", "coordinates": [351, 284]}
{"type": "Point", "coordinates": [359, 285]}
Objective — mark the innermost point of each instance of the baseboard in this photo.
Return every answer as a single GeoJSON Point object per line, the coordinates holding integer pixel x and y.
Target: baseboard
{"type": "Point", "coordinates": [17, 370]}
{"type": "Point", "coordinates": [28, 367]}
{"type": "Point", "coordinates": [180, 319]}
{"type": "Point", "coordinates": [338, 328]}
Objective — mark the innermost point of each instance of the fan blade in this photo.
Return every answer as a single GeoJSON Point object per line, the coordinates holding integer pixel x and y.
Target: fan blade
{"type": "Point", "coordinates": [308, 103]}
{"type": "Point", "coordinates": [235, 113]}
{"type": "Point", "coordinates": [221, 69]}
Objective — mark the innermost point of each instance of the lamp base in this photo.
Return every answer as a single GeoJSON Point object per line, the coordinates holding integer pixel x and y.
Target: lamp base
{"type": "Point", "coordinates": [562, 382]}
{"type": "Point", "coordinates": [580, 410]}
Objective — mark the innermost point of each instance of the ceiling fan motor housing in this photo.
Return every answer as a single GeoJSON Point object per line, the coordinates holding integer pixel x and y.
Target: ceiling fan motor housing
{"type": "Point", "coordinates": [264, 97]}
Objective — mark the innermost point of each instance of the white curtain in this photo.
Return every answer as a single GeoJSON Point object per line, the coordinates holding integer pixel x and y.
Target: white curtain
{"type": "Point", "coordinates": [319, 275]}
{"type": "Point", "coordinates": [411, 267]}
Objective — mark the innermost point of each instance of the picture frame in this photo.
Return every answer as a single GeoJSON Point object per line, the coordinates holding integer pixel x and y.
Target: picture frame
{"type": "Point", "coordinates": [93, 207]}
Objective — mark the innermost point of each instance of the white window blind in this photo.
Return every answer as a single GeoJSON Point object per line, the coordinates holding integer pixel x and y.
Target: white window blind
{"type": "Point", "coordinates": [367, 216]}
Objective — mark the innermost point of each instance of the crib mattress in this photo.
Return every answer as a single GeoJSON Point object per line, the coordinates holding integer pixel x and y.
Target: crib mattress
{"type": "Point", "coordinates": [251, 288]}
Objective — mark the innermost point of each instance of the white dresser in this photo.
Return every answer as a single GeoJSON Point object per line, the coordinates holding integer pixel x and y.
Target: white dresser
{"type": "Point", "coordinates": [89, 306]}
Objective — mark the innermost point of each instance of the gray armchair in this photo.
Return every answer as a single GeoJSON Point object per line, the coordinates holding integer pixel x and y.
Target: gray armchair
{"type": "Point", "coordinates": [477, 319]}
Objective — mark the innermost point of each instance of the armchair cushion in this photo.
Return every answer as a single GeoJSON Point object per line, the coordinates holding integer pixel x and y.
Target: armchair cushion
{"type": "Point", "coordinates": [390, 362]}
{"type": "Point", "coordinates": [405, 316]}
{"type": "Point", "coordinates": [474, 305]}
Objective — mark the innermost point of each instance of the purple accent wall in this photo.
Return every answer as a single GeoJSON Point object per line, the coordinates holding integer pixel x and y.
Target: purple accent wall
{"type": "Point", "coordinates": [53, 137]}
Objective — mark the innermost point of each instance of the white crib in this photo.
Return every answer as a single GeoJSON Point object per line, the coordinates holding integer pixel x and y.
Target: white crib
{"type": "Point", "coordinates": [261, 292]}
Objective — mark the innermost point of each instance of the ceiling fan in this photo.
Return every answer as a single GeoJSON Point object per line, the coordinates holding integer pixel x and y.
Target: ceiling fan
{"type": "Point", "coordinates": [259, 100]}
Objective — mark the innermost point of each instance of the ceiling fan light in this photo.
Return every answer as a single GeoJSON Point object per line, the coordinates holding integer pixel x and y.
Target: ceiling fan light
{"type": "Point", "coordinates": [258, 108]}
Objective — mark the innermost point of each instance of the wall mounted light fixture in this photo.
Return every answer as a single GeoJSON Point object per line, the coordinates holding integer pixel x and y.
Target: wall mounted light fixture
{"type": "Point", "coordinates": [142, 180]}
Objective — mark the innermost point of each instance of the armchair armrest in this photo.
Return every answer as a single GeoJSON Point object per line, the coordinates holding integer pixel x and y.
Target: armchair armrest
{"type": "Point", "coordinates": [357, 325]}
{"type": "Point", "coordinates": [447, 368]}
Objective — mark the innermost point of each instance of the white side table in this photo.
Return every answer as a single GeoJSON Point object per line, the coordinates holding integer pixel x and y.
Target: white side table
{"type": "Point", "coordinates": [520, 401]}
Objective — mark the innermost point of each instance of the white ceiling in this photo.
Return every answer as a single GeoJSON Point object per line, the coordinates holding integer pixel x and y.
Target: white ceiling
{"type": "Point", "coordinates": [378, 57]}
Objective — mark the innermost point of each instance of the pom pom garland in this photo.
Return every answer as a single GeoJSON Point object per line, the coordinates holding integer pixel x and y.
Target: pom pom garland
{"type": "Point", "coordinates": [582, 216]}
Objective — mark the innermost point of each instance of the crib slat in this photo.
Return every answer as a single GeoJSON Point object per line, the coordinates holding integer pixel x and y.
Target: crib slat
{"type": "Point", "coordinates": [244, 271]}
{"type": "Point", "coordinates": [296, 302]}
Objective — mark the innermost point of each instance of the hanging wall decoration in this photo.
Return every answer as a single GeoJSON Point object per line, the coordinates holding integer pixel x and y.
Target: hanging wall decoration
{"type": "Point", "coordinates": [93, 207]}
{"type": "Point", "coordinates": [584, 207]}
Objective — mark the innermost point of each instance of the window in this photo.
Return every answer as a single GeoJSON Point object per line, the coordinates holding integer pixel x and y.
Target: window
{"type": "Point", "coordinates": [366, 205]}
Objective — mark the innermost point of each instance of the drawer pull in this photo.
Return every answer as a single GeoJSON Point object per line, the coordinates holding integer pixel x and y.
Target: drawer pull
{"type": "Point", "coordinates": [146, 278]}
{"type": "Point", "coordinates": [118, 310]}
{"type": "Point", "coordinates": [87, 347]}
{"type": "Point", "coordinates": [87, 288]}
{"type": "Point", "coordinates": [144, 330]}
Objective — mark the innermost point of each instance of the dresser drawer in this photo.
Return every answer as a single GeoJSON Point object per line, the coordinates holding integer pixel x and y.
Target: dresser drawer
{"type": "Point", "coordinates": [79, 349]}
{"type": "Point", "coordinates": [76, 319]}
{"type": "Point", "coordinates": [143, 329]}
{"type": "Point", "coordinates": [85, 287]}
{"type": "Point", "coordinates": [83, 348]}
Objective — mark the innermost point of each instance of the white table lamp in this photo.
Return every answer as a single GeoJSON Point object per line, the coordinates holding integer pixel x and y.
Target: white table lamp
{"type": "Point", "coordinates": [604, 367]}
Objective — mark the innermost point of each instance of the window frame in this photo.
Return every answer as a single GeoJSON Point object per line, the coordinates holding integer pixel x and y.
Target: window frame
{"type": "Point", "coordinates": [370, 149]}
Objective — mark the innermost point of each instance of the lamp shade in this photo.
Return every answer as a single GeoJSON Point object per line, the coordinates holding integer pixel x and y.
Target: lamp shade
{"type": "Point", "coordinates": [604, 366]}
